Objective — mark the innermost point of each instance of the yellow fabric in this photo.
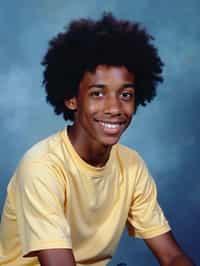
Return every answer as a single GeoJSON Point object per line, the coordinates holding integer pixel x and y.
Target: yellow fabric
{"type": "Point", "coordinates": [56, 200]}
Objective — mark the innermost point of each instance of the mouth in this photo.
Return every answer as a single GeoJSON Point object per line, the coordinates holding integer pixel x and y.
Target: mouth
{"type": "Point", "coordinates": [112, 127]}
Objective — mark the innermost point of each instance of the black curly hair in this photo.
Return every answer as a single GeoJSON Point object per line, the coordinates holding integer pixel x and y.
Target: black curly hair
{"type": "Point", "coordinates": [85, 44]}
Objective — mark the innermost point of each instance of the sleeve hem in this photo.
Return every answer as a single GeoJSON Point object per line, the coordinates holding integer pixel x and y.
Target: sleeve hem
{"type": "Point", "coordinates": [42, 245]}
{"type": "Point", "coordinates": [152, 233]}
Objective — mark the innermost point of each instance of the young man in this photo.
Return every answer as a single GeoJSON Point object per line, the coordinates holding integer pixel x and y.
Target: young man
{"type": "Point", "coordinates": [73, 193]}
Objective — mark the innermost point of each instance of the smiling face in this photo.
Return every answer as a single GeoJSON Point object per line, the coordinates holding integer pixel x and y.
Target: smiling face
{"type": "Point", "coordinates": [104, 105]}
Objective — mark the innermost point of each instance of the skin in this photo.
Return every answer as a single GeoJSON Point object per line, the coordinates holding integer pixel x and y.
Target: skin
{"type": "Point", "coordinates": [167, 251]}
{"type": "Point", "coordinates": [54, 257]}
{"type": "Point", "coordinates": [103, 110]}
{"type": "Point", "coordinates": [106, 96]}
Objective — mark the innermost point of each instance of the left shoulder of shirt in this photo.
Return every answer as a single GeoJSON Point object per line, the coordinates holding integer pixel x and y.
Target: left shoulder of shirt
{"type": "Point", "coordinates": [128, 154]}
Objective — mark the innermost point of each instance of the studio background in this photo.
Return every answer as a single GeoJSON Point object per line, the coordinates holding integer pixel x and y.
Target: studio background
{"type": "Point", "coordinates": [166, 132]}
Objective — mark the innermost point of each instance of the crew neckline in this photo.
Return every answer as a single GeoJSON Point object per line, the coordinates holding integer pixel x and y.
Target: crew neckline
{"type": "Point", "coordinates": [92, 170]}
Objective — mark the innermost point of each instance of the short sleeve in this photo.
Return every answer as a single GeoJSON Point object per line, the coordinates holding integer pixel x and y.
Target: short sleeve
{"type": "Point", "coordinates": [40, 208]}
{"type": "Point", "coordinates": [1, 250]}
{"type": "Point", "coordinates": [145, 219]}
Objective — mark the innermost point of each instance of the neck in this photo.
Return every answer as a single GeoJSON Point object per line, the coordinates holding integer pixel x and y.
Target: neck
{"type": "Point", "coordinates": [93, 154]}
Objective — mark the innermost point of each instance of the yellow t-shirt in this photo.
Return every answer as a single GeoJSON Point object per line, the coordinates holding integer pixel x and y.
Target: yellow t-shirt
{"type": "Point", "coordinates": [57, 200]}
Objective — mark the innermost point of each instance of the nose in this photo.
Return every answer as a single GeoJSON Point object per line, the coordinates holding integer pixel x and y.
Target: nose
{"type": "Point", "coordinates": [112, 105]}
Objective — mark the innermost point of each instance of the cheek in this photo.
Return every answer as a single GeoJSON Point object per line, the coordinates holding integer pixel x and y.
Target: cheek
{"type": "Point", "coordinates": [94, 107]}
{"type": "Point", "coordinates": [129, 110]}
{"type": "Point", "coordinates": [87, 111]}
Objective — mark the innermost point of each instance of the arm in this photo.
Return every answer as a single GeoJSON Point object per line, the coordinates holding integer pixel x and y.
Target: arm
{"type": "Point", "coordinates": [167, 251]}
{"type": "Point", "coordinates": [53, 257]}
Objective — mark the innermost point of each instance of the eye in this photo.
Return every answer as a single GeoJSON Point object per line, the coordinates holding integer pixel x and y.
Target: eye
{"type": "Point", "coordinates": [126, 95]}
{"type": "Point", "coordinates": [96, 94]}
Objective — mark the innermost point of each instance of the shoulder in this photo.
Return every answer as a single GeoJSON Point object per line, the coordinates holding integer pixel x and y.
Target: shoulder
{"type": "Point", "coordinates": [41, 160]}
{"type": "Point", "coordinates": [128, 155]}
{"type": "Point", "coordinates": [43, 147]}
{"type": "Point", "coordinates": [47, 151]}
{"type": "Point", "coordinates": [132, 164]}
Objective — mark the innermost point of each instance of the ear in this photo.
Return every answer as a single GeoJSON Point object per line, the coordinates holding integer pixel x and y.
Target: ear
{"type": "Point", "coordinates": [71, 103]}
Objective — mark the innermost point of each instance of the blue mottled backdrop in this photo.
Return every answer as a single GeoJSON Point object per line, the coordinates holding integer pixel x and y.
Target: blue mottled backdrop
{"type": "Point", "coordinates": [166, 133]}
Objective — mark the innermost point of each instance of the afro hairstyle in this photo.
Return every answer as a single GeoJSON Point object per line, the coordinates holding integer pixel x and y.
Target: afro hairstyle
{"type": "Point", "coordinates": [87, 43]}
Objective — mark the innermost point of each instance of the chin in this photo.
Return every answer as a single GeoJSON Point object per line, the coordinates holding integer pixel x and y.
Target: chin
{"type": "Point", "coordinates": [110, 141]}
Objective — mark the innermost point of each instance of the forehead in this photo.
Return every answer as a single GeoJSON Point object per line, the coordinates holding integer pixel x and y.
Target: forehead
{"type": "Point", "coordinates": [108, 74]}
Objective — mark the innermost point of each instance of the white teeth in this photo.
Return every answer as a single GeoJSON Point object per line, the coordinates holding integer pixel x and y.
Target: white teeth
{"type": "Point", "coordinates": [110, 125]}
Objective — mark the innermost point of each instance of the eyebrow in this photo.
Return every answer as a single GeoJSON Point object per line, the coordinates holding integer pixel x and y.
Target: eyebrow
{"type": "Point", "coordinates": [102, 86]}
